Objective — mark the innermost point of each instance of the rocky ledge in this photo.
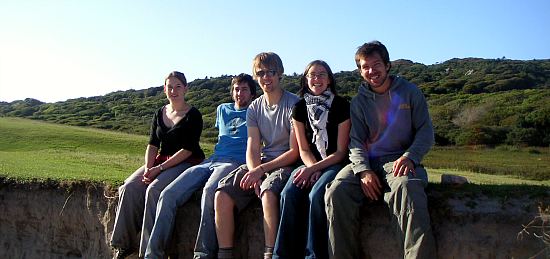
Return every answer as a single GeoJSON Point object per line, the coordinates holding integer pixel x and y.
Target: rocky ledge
{"type": "Point", "coordinates": [74, 220]}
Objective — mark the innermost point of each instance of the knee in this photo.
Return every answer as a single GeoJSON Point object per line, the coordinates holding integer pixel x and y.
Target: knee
{"type": "Point", "coordinates": [269, 199]}
{"type": "Point", "coordinates": [223, 202]}
{"type": "Point", "coordinates": [153, 190]}
{"type": "Point", "coordinates": [131, 187]}
{"type": "Point", "coordinates": [123, 188]}
{"type": "Point", "coordinates": [335, 192]}
{"type": "Point", "coordinates": [208, 195]}
{"type": "Point", "coordinates": [167, 195]}
{"type": "Point", "coordinates": [411, 191]}
{"type": "Point", "coordinates": [407, 185]}
{"type": "Point", "coordinates": [209, 188]}
{"type": "Point", "coordinates": [290, 192]}
{"type": "Point", "coordinates": [317, 196]}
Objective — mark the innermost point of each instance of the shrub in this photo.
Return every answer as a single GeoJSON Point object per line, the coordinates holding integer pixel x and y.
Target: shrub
{"type": "Point", "coordinates": [481, 136]}
{"type": "Point", "coordinates": [523, 136]}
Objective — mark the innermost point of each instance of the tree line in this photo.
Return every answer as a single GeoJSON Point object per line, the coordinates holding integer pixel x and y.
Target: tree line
{"type": "Point", "coordinates": [472, 101]}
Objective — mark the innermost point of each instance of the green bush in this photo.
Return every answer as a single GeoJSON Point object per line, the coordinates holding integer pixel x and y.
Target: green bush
{"type": "Point", "coordinates": [524, 137]}
{"type": "Point", "coordinates": [491, 136]}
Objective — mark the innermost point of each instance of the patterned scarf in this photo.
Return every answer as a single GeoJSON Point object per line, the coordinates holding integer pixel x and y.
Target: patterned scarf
{"type": "Point", "coordinates": [317, 114]}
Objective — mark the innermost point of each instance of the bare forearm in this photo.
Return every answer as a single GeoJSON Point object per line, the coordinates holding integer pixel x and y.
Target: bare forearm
{"type": "Point", "coordinates": [332, 159]}
{"type": "Point", "coordinates": [177, 158]}
{"type": "Point", "coordinates": [150, 155]}
{"type": "Point", "coordinates": [253, 159]}
{"type": "Point", "coordinates": [253, 146]}
{"type": "Point", "coordinates": [286, 159]}
{"type": "Point", "coordinates": [308, 158]}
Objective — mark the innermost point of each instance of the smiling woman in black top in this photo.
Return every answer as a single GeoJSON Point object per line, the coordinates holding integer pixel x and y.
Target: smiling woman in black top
{"type": "Point", "coordinates": [173, 147]}
{"type": "Point", "coordinates": [322, 123]}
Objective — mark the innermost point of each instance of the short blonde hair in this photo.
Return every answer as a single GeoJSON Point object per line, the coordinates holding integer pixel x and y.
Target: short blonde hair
{"type": "Point", "coordinates": [270, 60]}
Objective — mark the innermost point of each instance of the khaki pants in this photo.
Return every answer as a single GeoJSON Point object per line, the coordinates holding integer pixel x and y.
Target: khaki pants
{"type": "Point", "coordinates": [137, 204]}
{"type": "Point", "coordinates": [406, 200]}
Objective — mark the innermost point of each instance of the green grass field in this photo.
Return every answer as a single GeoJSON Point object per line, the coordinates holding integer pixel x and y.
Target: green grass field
{"type": "Point", "coordinates": [523, 163]}
{"type": "Point", "coordinates": [37, 150]}
{"type": "Point", "coordinates": [32, 150]}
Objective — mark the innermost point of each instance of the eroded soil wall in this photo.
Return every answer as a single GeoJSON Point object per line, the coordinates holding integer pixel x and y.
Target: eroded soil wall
{"type": "Point", "coordinates": [53, 220]}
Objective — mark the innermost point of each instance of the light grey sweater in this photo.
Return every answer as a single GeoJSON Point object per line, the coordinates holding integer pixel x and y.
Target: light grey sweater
{"type": "Point", "coordinates": [393, 124]}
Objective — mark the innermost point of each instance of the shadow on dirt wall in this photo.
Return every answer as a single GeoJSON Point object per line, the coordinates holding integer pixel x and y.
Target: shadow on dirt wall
{"type": "Point", "coordinates": [74, 220]}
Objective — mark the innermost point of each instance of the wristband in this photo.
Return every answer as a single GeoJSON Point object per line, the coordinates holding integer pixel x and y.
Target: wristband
{"type": "Point", "coordinates": [263, 170]}
{"type": "Point", "coordinates": [161, 168]}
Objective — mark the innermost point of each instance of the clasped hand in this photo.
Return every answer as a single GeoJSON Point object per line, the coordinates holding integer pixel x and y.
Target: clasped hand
{"type": "Point", "coordinates": [252, 179]}
{"type": "Point", "coordinates": [150, 174]}
{"type": "Point", "coordinates": [305, 177]}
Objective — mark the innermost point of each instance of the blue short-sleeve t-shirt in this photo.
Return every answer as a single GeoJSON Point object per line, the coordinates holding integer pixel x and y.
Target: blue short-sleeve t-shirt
{"type": "Point", "coordinates": [232, 136]}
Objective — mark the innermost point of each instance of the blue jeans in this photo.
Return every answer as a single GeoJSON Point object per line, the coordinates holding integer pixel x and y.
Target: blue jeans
{"type": "Point", "coordinates": [175, 195]}
{"type": "Point", "coordinates": [300, 235]}
{"type": "Point", "coordinates": [207, 242]}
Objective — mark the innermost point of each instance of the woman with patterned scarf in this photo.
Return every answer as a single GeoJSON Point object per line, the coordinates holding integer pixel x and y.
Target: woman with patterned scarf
{"type": "Point", "coordinates": [321, 121]}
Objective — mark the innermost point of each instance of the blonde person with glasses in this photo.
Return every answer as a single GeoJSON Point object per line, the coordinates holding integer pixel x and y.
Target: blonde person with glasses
{"type": "Point", "coordinates": [322, 124]}
{"type": "Point", "coordinates": [270, 154]}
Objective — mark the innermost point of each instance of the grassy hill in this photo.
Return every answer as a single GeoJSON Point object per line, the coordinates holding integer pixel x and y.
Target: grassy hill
{"type": "Point", "coordinates": [37, 150]}
{"type": "Point", "coordinates": [31, 149]}
{"type": "Point", "coordinates": [472, 102]}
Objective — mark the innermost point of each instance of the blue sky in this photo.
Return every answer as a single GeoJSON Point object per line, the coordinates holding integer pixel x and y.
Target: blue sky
{"type": "Point", "coordinates": [56, 50]}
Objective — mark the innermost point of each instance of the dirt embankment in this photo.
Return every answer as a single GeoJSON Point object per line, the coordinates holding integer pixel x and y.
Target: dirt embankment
{"type": "Point", "coordinates": [53, 220]}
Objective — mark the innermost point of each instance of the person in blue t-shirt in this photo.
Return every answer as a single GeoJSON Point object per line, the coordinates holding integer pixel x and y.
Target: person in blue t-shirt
{"type": "Point", "coordinates": [229, 153]}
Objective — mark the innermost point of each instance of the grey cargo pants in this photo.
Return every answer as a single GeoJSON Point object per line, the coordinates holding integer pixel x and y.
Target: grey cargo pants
{"type": "Point", "coordinates": [406, 200]}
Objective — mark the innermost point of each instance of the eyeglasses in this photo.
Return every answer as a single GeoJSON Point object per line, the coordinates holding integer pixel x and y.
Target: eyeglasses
{"type": "Point", "coordinates": [269, 73]}
{"type": "Point", "coordinates": [313, 75]}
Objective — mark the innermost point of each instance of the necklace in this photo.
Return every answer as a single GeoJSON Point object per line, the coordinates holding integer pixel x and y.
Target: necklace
{"type": "Point", "coordinates": [271, 107]}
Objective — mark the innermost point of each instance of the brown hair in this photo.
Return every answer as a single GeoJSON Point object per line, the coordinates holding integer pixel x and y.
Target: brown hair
{"type": "Point", "coordinates": [269, 60]}
{"type": "Point", "coordinates": [370, 48]}
{"type": "Point", "coordinates": [303, 80]}
{"type": "Point", "coordinates": [175, 74]}
{"type": "Point", "coordinates": [244, 78]}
